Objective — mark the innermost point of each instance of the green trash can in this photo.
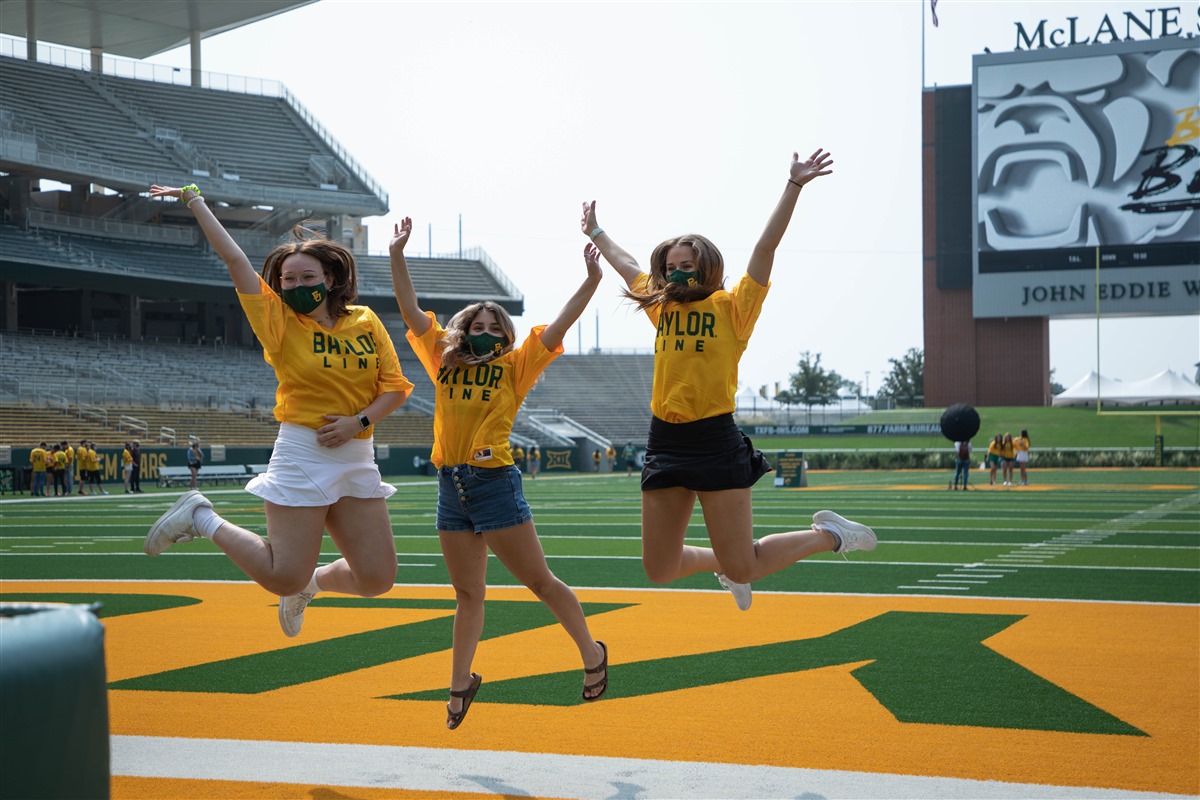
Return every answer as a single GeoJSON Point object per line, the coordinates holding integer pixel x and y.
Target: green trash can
{"type": "Point", "coordinates": [54, 696]}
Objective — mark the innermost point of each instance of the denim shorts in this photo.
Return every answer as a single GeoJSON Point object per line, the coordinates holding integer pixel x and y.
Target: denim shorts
{"type": "Point", "coordinates": [480, 499]}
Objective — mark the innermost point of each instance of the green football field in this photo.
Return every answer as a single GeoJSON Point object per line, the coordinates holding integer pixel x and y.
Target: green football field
{"type": "Point", "coordinates": [1007, 642]}
{"type": "Point", "coordinates": [1131, 535]}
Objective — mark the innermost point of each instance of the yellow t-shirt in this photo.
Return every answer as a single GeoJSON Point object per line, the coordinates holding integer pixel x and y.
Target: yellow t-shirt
{"type": "Point", "coordinates": [697, 349]}
{"type": "Point", "coordinates": [1021, 444]}
{"type": "Point", "coordinates": [70, 454]}
{"type": "Point", "coordinates": [322, 371]}
{"type": "Point", "coordinates": [60, 460]}
{"type": "Point", "coordinates": [37, 457]}
{"type": "Point", "coordinates": [993, 448]}
{"type": "Point", "coordinates": [126, 457]}
{"type": "Point", "coordinates": [476, 404]}
{"type": "Point", "coordinates": [93, 459]}
{"type": "Point", "coordinates": [1006, 450]}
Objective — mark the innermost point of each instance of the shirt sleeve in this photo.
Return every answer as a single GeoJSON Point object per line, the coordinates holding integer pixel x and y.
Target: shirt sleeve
{"type": "Point", "coordinates": [265, 312]}
{"type": "Point", "coordinates": [425, 346]}
{"type": "Point", "coordinates": [748, 296]}
{"type": "Point", "coordinates": [640, 284]}
{"type": "Point", "coordinates": [533, 360]}
{"type": "Point", "coordinates": [391, 378]}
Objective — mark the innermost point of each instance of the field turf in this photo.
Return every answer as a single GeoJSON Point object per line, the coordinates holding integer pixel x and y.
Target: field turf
{"type": "Point", "coordinates": [1039, 641]}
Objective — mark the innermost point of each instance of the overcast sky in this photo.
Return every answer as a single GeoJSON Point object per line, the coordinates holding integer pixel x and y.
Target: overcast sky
{"type": "Point", "coordinates": [674, 117]}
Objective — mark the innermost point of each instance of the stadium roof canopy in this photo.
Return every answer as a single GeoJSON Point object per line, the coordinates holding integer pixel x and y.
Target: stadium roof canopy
{"type": "Point", "coordinates": [133, 28]}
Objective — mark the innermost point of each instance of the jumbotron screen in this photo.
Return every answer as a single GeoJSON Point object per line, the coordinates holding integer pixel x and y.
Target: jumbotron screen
{"type": "Point", "coordinates": [1081, 154]}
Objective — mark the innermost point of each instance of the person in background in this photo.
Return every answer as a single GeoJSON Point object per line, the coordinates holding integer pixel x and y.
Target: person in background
{"type": "Point", "coordinates": [962, 464]}
{"type": "Point", "coordinates": [83, 466]}
{"type": "Point", "coordinates": [194, 460]}
{"type": "Point", "coordinates": [481, 505]}
{"type": "Point", "coordinates": [127, 465]}
{"type": "Point", "coordinates": [38, 458]}
{"type": "Point", "coordinates": [610, 453]}
{"type": "Point", "coordinates": [694, 449]}
{"type": "Point", "coordinates": [94, 459]}
{"type": "Point", "coordinates": [59, 460]}
{"type": "Point", "coordinates": [1021, 445]}
{"type": "Point", "coordinates": [518, 456]}
{"type": "Point", "coordinates": [322, 474]}
{"type": "Point", "coordinates": [534, 460]}
{"type": "Point", "coordinates": [629, 454]}
{"type": "Point", "coordinates": [135, 476]}
{"type": "Point", "coordinates": [993, 457]}
{"type": "Point", "coordinates": [69, 472]}
{"type": "Point", "coordinates": [1008, 454]}
{"type": "Point", "coordinates": [596, 460]}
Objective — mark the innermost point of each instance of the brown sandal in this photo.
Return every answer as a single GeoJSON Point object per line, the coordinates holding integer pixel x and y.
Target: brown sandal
{"type": "Point", "coordinates": [601, 684]}
{"type": "Point", "coordinates": [455, 718]}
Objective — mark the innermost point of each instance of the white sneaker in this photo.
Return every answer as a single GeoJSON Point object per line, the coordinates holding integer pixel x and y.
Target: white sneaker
{"type": "Point", "coordinates": [291, 612]}
{"type": "Point", "coordinates": [175, 525]}
{"type": "Point", "coordinates": [855, 536]}
{"type": "Point", "coordinates": [741, 591]}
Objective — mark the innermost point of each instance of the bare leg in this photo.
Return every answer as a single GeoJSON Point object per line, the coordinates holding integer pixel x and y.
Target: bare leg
{"type": "Point", "coordinates": [729, 518]}
{"type": "Point", "coordinates": [466, 561]}
{"type": "Point", "coordinates": [362, 531]}
{"type": "Point", "coordinates": [282, 564]}
{"type": "Point", "coordinates": [665, 517]}
{"type": "Point", "coordinates": [520, 550]}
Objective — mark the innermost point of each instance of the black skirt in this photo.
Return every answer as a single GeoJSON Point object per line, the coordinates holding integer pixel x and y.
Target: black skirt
{"type": "Point", "coordinates": [707, 455]}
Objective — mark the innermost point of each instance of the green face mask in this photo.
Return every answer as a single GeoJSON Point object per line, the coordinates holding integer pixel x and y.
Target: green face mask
{"type": "Point", "coordinates": [304, 299]}
{"type": "Point", "coordinates": [681, 277]}
{"type": "Point", "coordinates": [483, 344]}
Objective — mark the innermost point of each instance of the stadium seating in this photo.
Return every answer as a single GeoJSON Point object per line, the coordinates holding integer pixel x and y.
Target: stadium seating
{"type": "Point", "coordinates": [155, 128]}
{"type": "Point", "coordinates": [86, 129]}
{"type": "Point", "coordinates": [607, 393]}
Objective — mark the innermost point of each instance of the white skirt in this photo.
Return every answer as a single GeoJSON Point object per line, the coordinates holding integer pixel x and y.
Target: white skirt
{"type": "Point", "coordinates": [303, 473]}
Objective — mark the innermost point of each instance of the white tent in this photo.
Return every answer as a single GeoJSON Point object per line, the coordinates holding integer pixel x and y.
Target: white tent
{"type": "Point", "coordinates": [1165, 388]}
{"type": "Point", "coordinates": [1083, 391]}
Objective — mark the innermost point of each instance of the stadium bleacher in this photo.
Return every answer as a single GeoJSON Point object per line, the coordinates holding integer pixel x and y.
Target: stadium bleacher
{"type": "Point", "coordinates": [108, 251]}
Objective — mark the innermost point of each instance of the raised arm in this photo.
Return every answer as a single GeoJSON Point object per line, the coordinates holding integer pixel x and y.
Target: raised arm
{"type": "Point", "coordinates": [402, 283]}
{"type": "Point", "coordinates": [552, 335]}
{"type": "Point", "coordinates": [763, 256]}
{"type": "Point", "coordinates": [245, 279]}
{"type": "Point", "coordinates": [625, 264]}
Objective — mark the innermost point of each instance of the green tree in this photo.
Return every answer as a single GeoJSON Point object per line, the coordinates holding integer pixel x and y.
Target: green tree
{"type": "Point", "coordinates": [812, 385]}
{"type": "Point", "coordinates": [1055, 386]}
{"type": "Point", "coordinates": [906, 382]}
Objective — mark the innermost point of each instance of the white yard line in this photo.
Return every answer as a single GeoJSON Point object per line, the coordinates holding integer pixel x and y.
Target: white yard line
{"type": "Point", "coordinates": [515, 774]}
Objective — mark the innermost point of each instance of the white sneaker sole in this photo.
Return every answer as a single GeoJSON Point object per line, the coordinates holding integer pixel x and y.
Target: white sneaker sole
{"type": "Point", "coordinates": [864, 537]}
{"type": "Point", "coordinates": [153, 539]}
{"type": "Point", "coordinates": [742, 594]}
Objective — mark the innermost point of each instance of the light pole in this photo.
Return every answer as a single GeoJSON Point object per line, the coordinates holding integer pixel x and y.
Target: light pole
{"type": "Point", "coordinates": [867, 387]}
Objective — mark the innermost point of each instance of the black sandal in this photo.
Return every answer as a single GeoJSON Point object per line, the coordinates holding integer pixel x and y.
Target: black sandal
{"type": "Point", "coordinates": [455, 718]}
{"type": "Point", "coordinates": [601, 684]}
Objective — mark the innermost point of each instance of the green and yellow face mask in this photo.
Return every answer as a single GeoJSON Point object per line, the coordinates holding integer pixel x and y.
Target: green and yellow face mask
{"type": "Point", "coordinates": [303, 299]}
{"type": "Point", "coordinates": [683, 278]}
{"type": "Point", "coordinates": [484, 344]}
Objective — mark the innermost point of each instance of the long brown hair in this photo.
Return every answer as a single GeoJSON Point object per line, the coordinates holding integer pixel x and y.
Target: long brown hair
{"type": "Point", "coordinates": [710, 274]}
{"type": "Point", "coordinates": [335, 258]}
{"type": "Point", "coordinates": [455, 350]}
